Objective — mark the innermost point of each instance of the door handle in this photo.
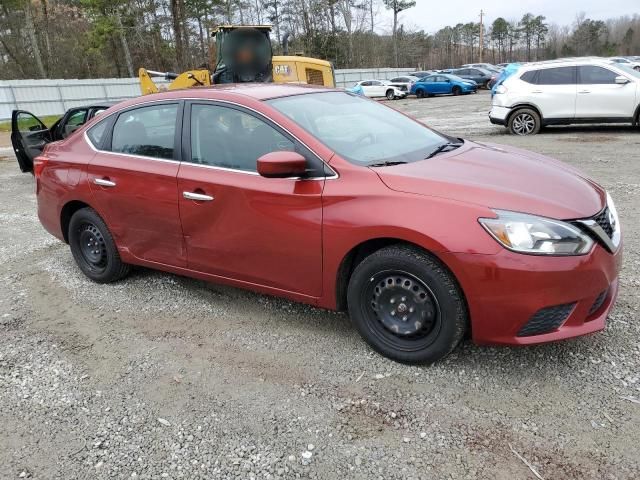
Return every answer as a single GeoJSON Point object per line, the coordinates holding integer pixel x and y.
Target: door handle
{"type": "Point", "coordinates": [536, 91]}
{"type": "Point", "coordinates": [584, 91]}
{"type": "Point", "coordinates": [199, 197]}
{"type": "Point", "coordinates": [103, 182]}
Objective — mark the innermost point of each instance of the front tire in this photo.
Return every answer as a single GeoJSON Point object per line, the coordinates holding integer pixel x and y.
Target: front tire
{"type": "Point", "coordinates": [406, 305]}
{"type": "Point", "coordinates": [93, 247]}
{"type": "Point", "coordinates": [456, 91]}
{"type": "Point", "coordinates": [524, 121]}
{"type": "Point", "coordinates": [420, 93]}
{"type": "Point", "coordinates": [390, 95]}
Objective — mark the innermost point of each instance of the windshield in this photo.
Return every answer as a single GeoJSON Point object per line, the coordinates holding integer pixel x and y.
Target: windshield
{"type": "Point", "coordinates": [361, 131]}
{"type": "Point", "coordinates": [629, 70]}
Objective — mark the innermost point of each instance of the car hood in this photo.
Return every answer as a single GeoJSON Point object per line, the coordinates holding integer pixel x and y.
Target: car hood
{"type": "Point", "coordinates": [500, 177]}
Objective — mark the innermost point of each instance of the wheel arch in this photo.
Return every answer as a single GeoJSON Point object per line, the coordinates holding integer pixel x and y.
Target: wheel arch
{"type": "Point", "coordinates": [67, 212]}
{"type": "Point", "coordinates": [520, 106]}
{"type": "Point", "coordinates": [367, 247]}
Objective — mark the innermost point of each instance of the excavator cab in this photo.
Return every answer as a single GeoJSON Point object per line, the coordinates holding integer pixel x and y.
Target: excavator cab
{"type": "Point", "coordinates": [244, 54]}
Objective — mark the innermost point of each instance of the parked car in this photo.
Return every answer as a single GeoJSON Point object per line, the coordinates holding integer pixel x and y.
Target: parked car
{"type": "Point", "coordinates": [380, 88]}
{"type": "Point", "coordinates": [403, 83]}
{"type": "Point", "coordinates": [29, 134]}
{"type": "Point", "coordinates": [479, 75]}
{"type": "Point", "coordinates": [422, 73]}
{"type": "Point", "coordinates": [230, 185]}
{"type": "Point", "coordinates": [627, 62]}
{"type": "Point", "coordinates": [567, 92]}
{"type": "Point", "coordinates": [485, 66]}
{"type": "Point", "coordinates": [442, 84]}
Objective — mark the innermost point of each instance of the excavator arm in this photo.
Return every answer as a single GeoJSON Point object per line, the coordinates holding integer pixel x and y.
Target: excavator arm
{"type": "Point", "coordinates": [188, 79]}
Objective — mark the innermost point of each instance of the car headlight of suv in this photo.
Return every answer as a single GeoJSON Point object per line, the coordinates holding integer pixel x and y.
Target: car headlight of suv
{"type": "Point", "coordinates": [536, 235]}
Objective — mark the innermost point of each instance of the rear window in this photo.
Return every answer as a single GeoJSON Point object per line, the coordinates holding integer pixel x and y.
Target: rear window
{"type": "Point", "coordinates": [557, 76]}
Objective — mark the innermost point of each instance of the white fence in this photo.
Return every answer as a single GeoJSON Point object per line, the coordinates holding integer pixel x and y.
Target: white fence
{"type": "Point", "coordinates": [54, 97]}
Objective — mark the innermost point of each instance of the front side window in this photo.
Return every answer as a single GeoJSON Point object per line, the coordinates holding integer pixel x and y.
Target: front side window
{"type": "Point", "coordinates": [593, 75]}
{"type": "Point", "coordinates": [229, 138]}
{"type": "Point", "coordinates": [146, 131]}
{"type": "Point", "coordinates": [359, 130]}
{"type": "Point", "coordinates": [557, 76]}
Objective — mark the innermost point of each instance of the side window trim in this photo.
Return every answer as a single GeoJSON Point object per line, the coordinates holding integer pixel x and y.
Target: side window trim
{"type": "Point", "coordinates": [177, 150]}
{"type": "Point", "coordinates": [186, 136]}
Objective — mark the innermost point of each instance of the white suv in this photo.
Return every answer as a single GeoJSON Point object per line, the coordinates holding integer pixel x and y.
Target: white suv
{"type": "Point", "coordinates": [590, 90]}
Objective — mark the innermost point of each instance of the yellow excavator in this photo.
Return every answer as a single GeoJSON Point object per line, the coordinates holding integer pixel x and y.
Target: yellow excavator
{"type": "Point", "coordinates": [244, 54]}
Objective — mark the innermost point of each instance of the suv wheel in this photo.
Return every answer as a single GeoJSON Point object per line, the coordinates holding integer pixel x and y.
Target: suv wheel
{"type": "Point", "coordinates": [524, 122]}
{"type": "Point", "coordinates": [406, 305]}
{"type": "Point", "coordinates": [93, 247]}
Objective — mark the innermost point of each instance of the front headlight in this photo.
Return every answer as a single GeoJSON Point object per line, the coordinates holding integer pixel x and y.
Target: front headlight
{"type": "Point", "coordinates": [536, 235]}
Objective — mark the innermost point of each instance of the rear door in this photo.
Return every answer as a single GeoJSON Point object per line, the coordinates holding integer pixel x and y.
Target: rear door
{"type": "Point", "coordinates": [29, 135]}
{"type": "Point", "coordinates": [599, 96]}
{"type": "Point", "coordinates": [238, 224]}
{"type": "Point", "coordinates": [133, 180]}
{"type": "Point", "coordinates": [555, 91]}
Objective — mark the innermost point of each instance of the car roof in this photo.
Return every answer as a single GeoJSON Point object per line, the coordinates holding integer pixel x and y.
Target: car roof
{"type": "Point", "coordinates": [250, 91]}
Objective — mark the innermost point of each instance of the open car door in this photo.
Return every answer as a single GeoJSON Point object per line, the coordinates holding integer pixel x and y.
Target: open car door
{"type": "Point", "coordinates": [28, 136]}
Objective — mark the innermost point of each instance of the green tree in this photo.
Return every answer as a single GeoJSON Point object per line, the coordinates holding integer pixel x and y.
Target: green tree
{"type": "Point", "coordinates": [397, 6]}
{"type": "Point", "coordinates": [500, 36]}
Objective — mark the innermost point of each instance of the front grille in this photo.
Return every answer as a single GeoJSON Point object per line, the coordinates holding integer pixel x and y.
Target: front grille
{"type": "Point", "coordinates": [602, 219]}
{"type": "Point", "coordinates": [598, 303]}
{"type": "Point", "coordinates": [546, 320]}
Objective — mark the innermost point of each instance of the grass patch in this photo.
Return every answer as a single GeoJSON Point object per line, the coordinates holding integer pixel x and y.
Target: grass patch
{"type": "Point", "coordinates": [48, 120]}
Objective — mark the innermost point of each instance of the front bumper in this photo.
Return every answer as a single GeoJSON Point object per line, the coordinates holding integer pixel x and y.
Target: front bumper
{"type": "Point", "coordinates": [499, 115]}
{"type": "Point", "coordinates": [505, 291]}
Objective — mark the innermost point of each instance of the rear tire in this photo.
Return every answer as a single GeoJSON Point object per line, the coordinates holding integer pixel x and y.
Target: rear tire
{"type": "Point", "coordinates": [456, 90]}
{"type": "Point", "coordinates": [93, 247]}
{"type": "Point", "coordinates": [406, 305]}
{"type": "Point", "coordinates": [524, 121]}
{"type": "Point", "coordinates": [390, 95]}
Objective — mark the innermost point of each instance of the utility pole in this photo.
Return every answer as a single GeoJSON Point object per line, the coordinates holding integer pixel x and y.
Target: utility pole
{"type": "Point", "coordinates": [481, 35]}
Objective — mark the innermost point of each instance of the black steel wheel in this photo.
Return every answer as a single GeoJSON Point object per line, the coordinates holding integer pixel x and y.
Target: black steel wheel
{"type": "Point", "coordinates": [456, 90]}
{"type": "Point", "coordinates": [406, 305]}
{"type": "Point", "coordinates": [93, 247]}
{"type": "Point", "coordinates": [420, 93]}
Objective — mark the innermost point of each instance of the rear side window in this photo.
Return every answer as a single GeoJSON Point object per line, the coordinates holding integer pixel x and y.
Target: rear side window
{"type": "Point", "coordinates": [593, 75]}
{"type": "Point", "coordinates": [557, 76]}
{"type": "Point", "coordinates": [96, 133]}
{"type": "Point", "coordinates": [530, 77]}
{"type": "Point", "coordinates": [146, 131]}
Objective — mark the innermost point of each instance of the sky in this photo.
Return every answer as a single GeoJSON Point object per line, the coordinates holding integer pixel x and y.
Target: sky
{"type": "Point", "coordinates": [431, 15]}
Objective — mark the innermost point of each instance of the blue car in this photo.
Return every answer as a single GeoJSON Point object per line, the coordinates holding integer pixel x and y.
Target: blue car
{"type": "Point", "coordinates": [442, 84]}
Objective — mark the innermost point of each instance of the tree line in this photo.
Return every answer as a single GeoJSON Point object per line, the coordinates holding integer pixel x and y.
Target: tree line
{"type": "Point", "coordinates": [112, 38]}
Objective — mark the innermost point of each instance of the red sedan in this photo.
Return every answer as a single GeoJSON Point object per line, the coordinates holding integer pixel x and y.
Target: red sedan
{"type": "Point", "coordinates": [327, 198]}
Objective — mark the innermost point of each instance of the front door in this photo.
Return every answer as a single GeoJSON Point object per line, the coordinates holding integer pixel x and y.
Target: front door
{"type": "Point", "coordinates": [599, 96]}
{"type": "Point", "coordinates": [28, 137]}
{"type": "Point", "coordinates": [133, 181]}
{"type": "Point", "coordinates": [237, 224]}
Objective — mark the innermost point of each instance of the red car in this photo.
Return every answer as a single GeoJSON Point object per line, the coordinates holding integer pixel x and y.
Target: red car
{"type": "Point", "coordinates": [331, 199]}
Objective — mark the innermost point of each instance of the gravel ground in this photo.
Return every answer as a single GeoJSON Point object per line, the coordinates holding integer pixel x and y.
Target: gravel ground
{"type": "Point", "coordinates": [160, 376]}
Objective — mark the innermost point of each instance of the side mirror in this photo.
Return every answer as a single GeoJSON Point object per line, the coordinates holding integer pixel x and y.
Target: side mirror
{"type": "Point", "coordinates": [283, 164]}
{"type": "Point", "coordinates": [622, 80]}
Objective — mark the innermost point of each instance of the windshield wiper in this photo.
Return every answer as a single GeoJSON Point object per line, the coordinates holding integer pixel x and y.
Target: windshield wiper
{"type": "Point", "coordinates": [386, 164]}
{"type": "Point", "coordinates": [442, 148]}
